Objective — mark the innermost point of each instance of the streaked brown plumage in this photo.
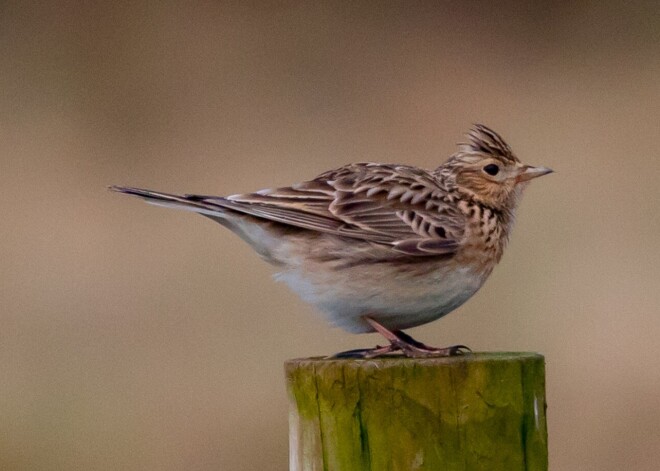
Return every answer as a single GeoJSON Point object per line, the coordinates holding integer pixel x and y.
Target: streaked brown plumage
{"type": "Point", "coordinates": [379, 246]}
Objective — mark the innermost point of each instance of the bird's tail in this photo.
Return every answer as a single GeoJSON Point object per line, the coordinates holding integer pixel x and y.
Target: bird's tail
{"type": "Point", "coordinates": [187, 202]}
{"type": "Point", "coordinates": [219, 210]}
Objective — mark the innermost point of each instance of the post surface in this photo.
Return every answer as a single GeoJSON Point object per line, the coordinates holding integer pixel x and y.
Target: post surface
{"type": "Point", "coordinates": [481, 411]}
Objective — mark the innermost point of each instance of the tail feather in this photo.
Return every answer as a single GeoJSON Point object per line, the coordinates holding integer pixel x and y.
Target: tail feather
{"type": "Point", "coordinates": [218, 209]}
{"type": "Point", "coordinates": [157, 198]}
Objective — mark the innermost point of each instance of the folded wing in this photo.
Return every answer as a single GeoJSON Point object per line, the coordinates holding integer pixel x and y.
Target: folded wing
{"type": "Point", "coordinates": [398, 206]}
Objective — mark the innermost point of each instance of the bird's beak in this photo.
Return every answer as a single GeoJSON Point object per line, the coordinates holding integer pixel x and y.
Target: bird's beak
{"type": "Point", "coordinates": [528, 172]}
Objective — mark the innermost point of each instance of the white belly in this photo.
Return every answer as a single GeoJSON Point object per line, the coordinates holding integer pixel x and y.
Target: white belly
{"type": "Point", "coordinates": [394, 298]}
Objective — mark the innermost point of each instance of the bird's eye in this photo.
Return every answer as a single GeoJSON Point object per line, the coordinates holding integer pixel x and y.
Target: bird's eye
{"type": "Point", "coordinates": [491, 169]}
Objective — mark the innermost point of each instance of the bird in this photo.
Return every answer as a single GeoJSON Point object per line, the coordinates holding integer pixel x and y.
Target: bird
{"type": "Point", "coordinates": [381, 247]}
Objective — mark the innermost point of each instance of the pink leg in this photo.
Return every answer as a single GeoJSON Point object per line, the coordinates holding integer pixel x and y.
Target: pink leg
{"type": "Point", "coordinates": [401, 342]}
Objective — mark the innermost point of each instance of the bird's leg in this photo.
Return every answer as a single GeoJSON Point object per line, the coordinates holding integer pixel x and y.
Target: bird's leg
{"type": "Point", "coordinates": [400, 342]}
{"type": "Point", "coordinates": [377, 351]}
{"type": "Point", "coordinates": [411, 347]}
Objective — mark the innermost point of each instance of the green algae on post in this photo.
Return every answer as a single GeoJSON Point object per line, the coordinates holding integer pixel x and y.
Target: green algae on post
{"type": "Point", "coordinates": [482, 411]}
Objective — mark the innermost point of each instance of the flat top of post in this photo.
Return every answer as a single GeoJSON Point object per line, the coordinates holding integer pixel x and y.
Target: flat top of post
{"type": "Point", "coordinates": [389, 361]}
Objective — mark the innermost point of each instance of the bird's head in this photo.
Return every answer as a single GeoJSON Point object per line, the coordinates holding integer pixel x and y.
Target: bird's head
{"type": "Point", "coordinates": [486, 170]}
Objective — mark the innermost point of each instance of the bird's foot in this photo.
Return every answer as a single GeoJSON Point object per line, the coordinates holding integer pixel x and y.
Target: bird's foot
{"type": "Point", "coordinates": [367, 353]}
{"type": "Point", "coordinates": [401, 343]}
{"type": "Point", "coordinates": [415, 349]}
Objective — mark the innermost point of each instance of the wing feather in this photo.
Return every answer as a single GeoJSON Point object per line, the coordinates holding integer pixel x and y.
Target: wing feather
{"type": "Point", "coordinates": [396, 205]}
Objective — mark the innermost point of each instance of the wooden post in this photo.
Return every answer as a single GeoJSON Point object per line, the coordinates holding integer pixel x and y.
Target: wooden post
{"type": "Point", "coordinates": [481, 411]}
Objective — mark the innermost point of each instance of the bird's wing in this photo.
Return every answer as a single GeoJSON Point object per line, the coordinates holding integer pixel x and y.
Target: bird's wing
{"type": "Point", "coordinates": [394, 205]}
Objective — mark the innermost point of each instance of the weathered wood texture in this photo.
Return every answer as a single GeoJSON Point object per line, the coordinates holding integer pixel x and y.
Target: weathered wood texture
{"type": "Point", "coordinates": [482, 411]}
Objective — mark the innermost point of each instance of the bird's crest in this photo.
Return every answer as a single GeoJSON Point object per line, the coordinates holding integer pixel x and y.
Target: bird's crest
{"type": "Point", "coordinates": [484, 140]}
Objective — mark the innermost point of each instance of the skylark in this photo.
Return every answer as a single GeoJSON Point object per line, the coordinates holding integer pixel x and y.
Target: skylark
{"type": "Point", "coordinates": [382, 247]}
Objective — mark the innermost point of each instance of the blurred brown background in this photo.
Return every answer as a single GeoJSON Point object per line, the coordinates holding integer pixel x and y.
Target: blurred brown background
{"type": "Point", "coordinates": [137, 338]}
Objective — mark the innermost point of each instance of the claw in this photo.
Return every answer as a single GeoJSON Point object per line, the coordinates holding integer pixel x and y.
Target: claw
{"type": "Point", "coordinates": [460, 349]}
